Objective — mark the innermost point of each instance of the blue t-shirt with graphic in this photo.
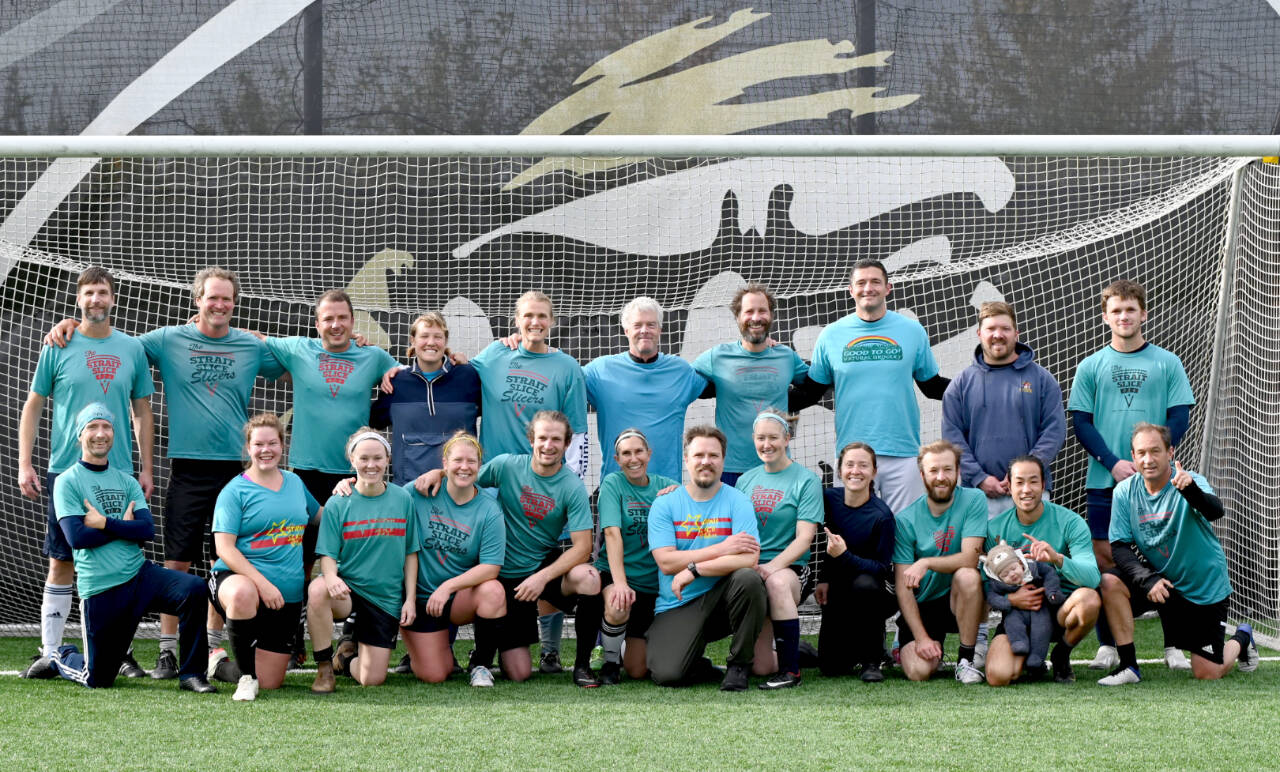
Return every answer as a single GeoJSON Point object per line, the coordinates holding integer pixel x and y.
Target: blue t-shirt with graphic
{"type": "Point", "coordinates": [110, 491]}
{"type": "Point", "coordinates": [454, 538]}
{"type": "Point", "coordinates": [268, 526]}
{"type": "Point", "coordinates": [676, 520]}
{"type": "Point", "coordinates": [874, 367]}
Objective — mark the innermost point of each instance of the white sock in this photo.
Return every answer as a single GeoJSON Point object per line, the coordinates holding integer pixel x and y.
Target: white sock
{"type": "Point", "coordinates": [55, 606]}
{"type": "Point", "coordinates": [169, 643]}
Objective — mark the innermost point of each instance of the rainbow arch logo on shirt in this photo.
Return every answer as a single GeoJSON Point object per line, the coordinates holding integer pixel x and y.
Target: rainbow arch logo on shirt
{"type": "Point", "coordinates": [872, 348]}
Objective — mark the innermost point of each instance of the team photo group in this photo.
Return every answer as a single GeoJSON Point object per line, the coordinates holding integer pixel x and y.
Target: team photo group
{"type": "Point", "coordinates": [399, 502]}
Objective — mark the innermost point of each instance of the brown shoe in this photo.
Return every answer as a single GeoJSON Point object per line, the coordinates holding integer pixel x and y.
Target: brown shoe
{"type": "Point", "coordinates": [343, 653]}
{"type": "Point", "coordinates": [324, 683]}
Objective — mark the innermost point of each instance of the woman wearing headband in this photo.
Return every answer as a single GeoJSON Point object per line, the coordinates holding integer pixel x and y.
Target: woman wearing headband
{"type": "Point", "coordinates": [462, 543]}
{"type": "Point", "coordinates": [257, 584]}
{"type": "Point", "coordinates": [788, 501]}
{"type": "Point", "coordinates": [628, 572]}
{"type": "Point", "coordinates": [369, 564]}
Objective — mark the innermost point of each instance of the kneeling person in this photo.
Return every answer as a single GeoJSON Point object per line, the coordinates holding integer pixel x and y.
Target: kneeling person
{"type": "Point", "coordinates": [706, 544]}
{"type": "Point", "coordinates": [104, 516]}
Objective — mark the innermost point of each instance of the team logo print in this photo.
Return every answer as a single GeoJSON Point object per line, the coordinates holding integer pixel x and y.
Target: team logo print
{"type": "Point", "coordinates": [1158, 531]}
{"type": "Point", "coordinates": [444, 534]}
{"type": "Point", "coordinates": [210, 367]}
{"type": "Point", "coordinates": [111, 501]}
{"type": "Point", "coordinates": [1129, 381]}
{"type": "Point", "coordinates": [942, 539]}
{"type": "Point", "coordinates": [279, 534]}
{"type": "Point", "coordinates": [335, 372]}
{"type": "Point", "coordinates": [764, 500]}
{"type": "Point", "coordinates": [638, 514]}
{"type": "Point", "coordinates": [374, 526]}
{"type": "Point", "coordinates": [536, 506]}
{"type": "Point", "coordinates": [103, 367]}
{"type": "Point", "coordinates": [1026, 387]}
{"type": "Point", "coordinates": [872, 348]}
{"type": "Point", "coordinates": [525, 388]}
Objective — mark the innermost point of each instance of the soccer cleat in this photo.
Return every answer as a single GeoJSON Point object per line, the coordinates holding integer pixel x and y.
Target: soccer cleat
{"type": "Point", "coordinates": [1247, 661]}
{"type": "Point", "coordinates": [610, 674]}
{"type": "Point", "coordinates": [129, 667]}
{"type": "Point", "coordinates": [966, 673]}
{"type": "Point", "coordinates": [227, 672]}
{"type": "Point", "coordinates": [549, 662]}
{"type": "Point", "coordinates": [166, 666]}
{"type": "Point", "coordinates": [1107, 658]}
{"type": "Point", "coordinates": [1121, 676]}
{"type": "Point", "coordinates": [480, 676]}
{"type": "Point", "coordinates": [324, 683]}
{"type": "Point", "coordinates": [735, 679]}
{"type": "Point", "coordinates": [585, 677]}
{"type": "Point", "coordinates": [246, 689]}
{"type": "Point", "coordinates": [1062, 673]}
{"type": "Point", "coordinates": [780, 681]}
{"type": "Point", "coordinates": [597, 657]}
{"type": "Point", "coordinates": [197, 683]}
{"type": "Point", "coordinates": [406, 665]}
{"type": "Point", "coordinates": [216, 656]}
{"type": "Point", "coordinates": [1175, 659]}
{"type": "Point", "coordinates": [871, 673]}
{"type": "Point", "coordinates": [41, 667]}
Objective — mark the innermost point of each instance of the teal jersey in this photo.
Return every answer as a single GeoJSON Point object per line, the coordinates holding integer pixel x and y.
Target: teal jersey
{"type": "Point", "coordinates": [1175, 539]}
{"type": "Point", "coordinates": [268, 526]}
{"type": "Point", "coordinates": [1063, 529]}
{"type": "Point", "coordinates": [535, 509]}
{"type": "Point", "coordinates": [111, 370]}
{"type": "Point", "coordinates": [918, 534]}
{"type": "Point", "coordinates": [1120, 390]}
{"type": "Point", "coordinates": [747, 382]}
{"type": "Point", "coordinates": [207, 383]}
{"type": "Point", "coordinates": [516, 384]}
{"type": "Point", "coordinates": [455, 538]}
{"type": "Point", "coordinates": [331, 398]}
{"type": "Point", "coordinates": [874, 367]}
{"type": "Point", "coordinates": [369, 538]}
{"type": "Point", "coordinates": [676, 520]}
{"type": "Point", "coordinates": [110, 491]}
{"type": "Point", "coordinates": [781, 499]}
{"type": "Point", "coordinates": [626, 507]}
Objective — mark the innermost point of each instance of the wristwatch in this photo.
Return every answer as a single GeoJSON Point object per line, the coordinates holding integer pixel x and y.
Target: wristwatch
{"type": "Point", "coordinates": [693, 569]}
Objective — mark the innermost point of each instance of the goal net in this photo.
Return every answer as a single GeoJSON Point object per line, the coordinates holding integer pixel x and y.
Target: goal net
{"type": "Point", "coordinates": [468, 236]}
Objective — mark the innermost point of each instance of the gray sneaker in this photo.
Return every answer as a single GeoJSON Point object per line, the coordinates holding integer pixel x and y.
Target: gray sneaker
{"type": "Point", "coordinates": [41, 667]}
{"type": "Point", "coordinates": [550, 662]}
{"type": "Point", "coordinates": [480, 676]}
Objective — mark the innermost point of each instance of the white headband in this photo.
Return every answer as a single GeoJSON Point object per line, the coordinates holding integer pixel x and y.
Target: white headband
{"type": "Point", "coordinates": [628, 435]}
{"type": "Point", "coordinates": [362, 436]}
{"type": "Point", "coordinates": [786, 427]}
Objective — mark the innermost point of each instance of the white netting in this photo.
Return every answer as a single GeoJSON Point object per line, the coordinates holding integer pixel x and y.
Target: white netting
{"type": "Point", "coordinates": [406, 235]}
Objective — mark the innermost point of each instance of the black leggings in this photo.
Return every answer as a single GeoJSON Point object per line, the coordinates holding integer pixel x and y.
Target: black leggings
{"type": "Point", "coordinates": [852, 631]}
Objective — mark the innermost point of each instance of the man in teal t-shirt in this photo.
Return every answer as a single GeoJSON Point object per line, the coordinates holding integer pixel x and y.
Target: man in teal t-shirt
{"type": "Point", "coordinates": [935, 556]}
{"type": "Point", "coordinates": [748, 375]}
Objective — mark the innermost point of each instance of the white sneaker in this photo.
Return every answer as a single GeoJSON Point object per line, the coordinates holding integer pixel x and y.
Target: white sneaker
{"type": "Point", "coordinates": [1107, 658]}
{"type": "Point", "coordinates": [1175, 659]}
{"type": "Point", "coordinates": [215, 656]}
{"type": "Point", "coordinates": [1120, 676]}
{"type": "Point", "coordinates": [966, 673]}
{"type": "Point", "coordinates": [480, 676]}
{"type": "Point", "coordinates": [246, 689]}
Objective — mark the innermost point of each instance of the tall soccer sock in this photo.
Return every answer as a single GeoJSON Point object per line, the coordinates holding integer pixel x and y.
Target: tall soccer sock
{"type": "Point", "coordinates": [786, 639]}
{"type": "Point", "coordinates": [611, 636]}
{"type": "Point", "coordinates": [55, 606]}
{"type": "Point", "coordinates": [1061, 653]}
{"type": "Point", "coordinates": [965, 652]}
{"type": "Point", "coordinates": [169, 643]}
{"type": "Point", "coordinates": [550, 628]}
{"type": "Point", "coordinates": [486, 631]}
{"type": "Point", "coordinates": [1242, 638]}
{"type": "Point", "coordinates": [217, 636]}
{"type": "Point", "coordinates": [242, 634]}
{"type": "Point", "coordinates": [1128, 655]}
{"type": "Point", "coordinates": [1105, 638]}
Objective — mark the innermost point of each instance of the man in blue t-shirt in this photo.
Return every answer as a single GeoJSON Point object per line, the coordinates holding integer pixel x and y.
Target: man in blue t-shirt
{"type": "Point", "coordinates": [873, 357]}
{"type": "Point", "coordinates": [1168, 559]}
{"type": "Point", "coordinates": [706, 543]}
{"type": "Point", "coordinates": [748, 375]}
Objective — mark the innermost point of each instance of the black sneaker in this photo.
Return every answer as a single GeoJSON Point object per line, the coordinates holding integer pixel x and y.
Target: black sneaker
{"type": "Point", "coordinates": [166, 666]}
{"type": "Point", "coordinates": [735, 679]}
{"type": "Point", "coordinates": [406, 665]}
{"type": "Point", "coordinates": [780, 681]}
{"type": "Point", "coordinates": [1062, 673]}
{"type": "Point", "coordinates": [41, 667]}
{"type": "Point", "coordinates": [871, 673]}
{"type": "Point", "coordinates": [129, 667]}
{"type": "Point", "coordinates": [586, 678]}
{"type": "Point", "coordinates": [198, 684]}
{"type": "Point", "coordinates": [704, 672]}
{"type": "Point", "coordinates": [549, 662]}
{"type": "Point", "coordinates": [610, 674]}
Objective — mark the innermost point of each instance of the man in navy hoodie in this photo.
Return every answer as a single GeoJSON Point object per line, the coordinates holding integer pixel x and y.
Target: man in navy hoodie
{"type": "Point", "coordinates": [1002, 406]}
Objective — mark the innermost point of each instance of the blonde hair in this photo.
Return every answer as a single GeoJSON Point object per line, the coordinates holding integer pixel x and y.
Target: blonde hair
{"type": "Point", "coordinates": [429, 319]}
{"type": "Point", "coordinates": [458, 437]}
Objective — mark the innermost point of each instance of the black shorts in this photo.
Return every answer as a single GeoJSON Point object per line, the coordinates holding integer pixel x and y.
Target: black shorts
{"type": "Point", "coordinates": [805, 574]}
{"type": "Point", "coordinates": [938, 620]}
{"type": "Point", "coordinates": [320, 486]}
{"type": "Point", "coordinates": [1099, 512]}
{"type": "Point", "coordinates": [194, 485]}
{"type": "Point", "coordinates": [425, 623]}
{"type": "Point", "coordinates": [55, 541]}
{"type": "Point", "coordinates": [1193, 627]}
{"type": "Point", "coordinates": [276, 628]}
{"type": "Point", "coordinates": [373, 626]}
{"type": "Point", "coordinates": [519, 628]}
{"type": "Point", "coordinates": [641, 609]}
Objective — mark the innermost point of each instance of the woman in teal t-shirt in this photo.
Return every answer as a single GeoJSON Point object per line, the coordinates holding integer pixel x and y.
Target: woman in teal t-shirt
{"type": "Point", "coordinates": [462, 539]}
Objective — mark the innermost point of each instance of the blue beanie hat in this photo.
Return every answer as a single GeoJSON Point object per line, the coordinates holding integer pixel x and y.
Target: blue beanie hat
{"type": "Point", "coordinates": [94, 411]}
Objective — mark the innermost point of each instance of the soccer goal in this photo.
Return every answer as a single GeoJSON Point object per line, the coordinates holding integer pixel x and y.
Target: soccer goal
{"type": "Point", "coordinates": [464, 225]}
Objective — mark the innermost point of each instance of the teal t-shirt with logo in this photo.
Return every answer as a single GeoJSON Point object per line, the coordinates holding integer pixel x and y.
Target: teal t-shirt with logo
{"type": "Point", "coordinates": [369, 537]}
{"type": "Point", "coordinates": [918, 534]}
{"type": "Point", "coordinates": [1176, 540]}
{"type": "Point", "coordinates": [515, 384]}
{"type": "Point", "coordinates": [535, 509]}
{"type": "Point", "coordinates": [331, 397]}
{"type": "Point", "coordinates": [1121, 390]}
{"type": "Point", "coordinates": [874, 367]}
{"type": "Point", "coordinates": [454, 538]}
{"type": "Point", "coordinates": [780, 500]}
{"type": "Point", "coordinates": [626, 507]}
{"type": "Point", "coordinates": [207, 383]}
{"type": "Point", "coordinates": [111, 370]}
{"type": "Point", "coordinates": [268, 526]}
{"type": "Point", "coordinates": [747, 382]}
{"type": "Point", "coordinates": [1063, 529]}
{"type": "Point", "coordinates": [110, 491]}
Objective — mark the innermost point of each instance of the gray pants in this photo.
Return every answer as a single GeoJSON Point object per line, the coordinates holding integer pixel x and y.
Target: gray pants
{"type": "Point", "coordinates": [736, 605]}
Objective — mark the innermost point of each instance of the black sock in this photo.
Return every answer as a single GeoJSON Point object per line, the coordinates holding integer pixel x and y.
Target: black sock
{"type": "Point", "coordinates": [242, 634]}
{"type": "Point", "coordinates": [1242, 638]}
{"type": "Point", "coordinates": [966, 652]}
{"type": "Point", "coordinates": [786, 639]}
{"type": "Point", "coordinates": [322, 655]}
{"type": "Point", "coordinates": [1061, 654]}
{"type": "Point", "coordinates": [1128, 655]}
{"type": "Point", "coordinates": [590, 615]}
{"type": "Point", "coordinates": [486, 631]}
